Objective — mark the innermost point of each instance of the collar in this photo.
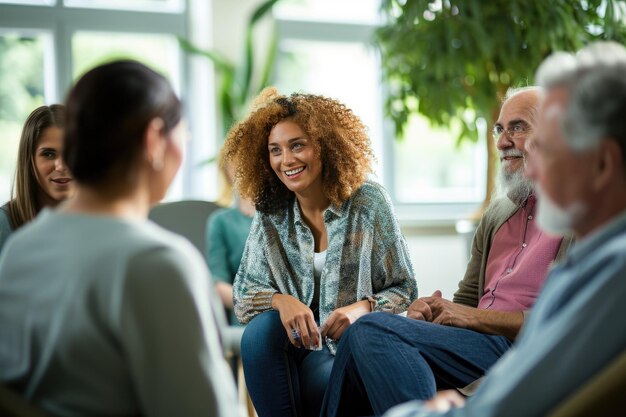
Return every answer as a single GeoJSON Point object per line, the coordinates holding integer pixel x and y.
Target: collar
{"type": "Point", "coordinates": [331, 211]}
{"type": "Point", "coordinates": [594, 241]}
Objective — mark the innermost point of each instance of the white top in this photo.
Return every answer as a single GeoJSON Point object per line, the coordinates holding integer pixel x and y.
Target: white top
{"type": "Point", "coordinates": [102, 316]}
{"type": "Point", "coordinates": [318, 265]}
{"type": "Point", "coordinates": [319, 259]}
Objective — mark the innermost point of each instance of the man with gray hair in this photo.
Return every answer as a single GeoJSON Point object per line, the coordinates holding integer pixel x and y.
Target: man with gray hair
{"type": "Point", "coordinates": [451, 343]}
{"type": "Point", "coordinates": [578, 162]}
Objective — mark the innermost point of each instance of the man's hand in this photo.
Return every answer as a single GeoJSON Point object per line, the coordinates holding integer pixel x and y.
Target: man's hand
{"type": "Point", "coordinates": [343, 317]}
{"type": "Point", "coordinates": [420, 308]}
{"type": "Point", "coordinates": [441, 311]}
{"type": "Point", "coordinates": [452, 314]}
{"type": "Point", "coordinates": [445, 400]}
{"type": "Point", "coordinates": [297, 319]}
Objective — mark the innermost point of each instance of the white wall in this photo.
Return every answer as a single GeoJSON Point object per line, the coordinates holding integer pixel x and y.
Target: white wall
{"type": "Point", "coordinates": [439, 261]}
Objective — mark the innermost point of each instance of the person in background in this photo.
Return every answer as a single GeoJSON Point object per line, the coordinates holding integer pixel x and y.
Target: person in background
{"type": "Point", "coordinates": [452, 343]}
{"type": "Point", "coordinates": [324, 248]}
{"type": "Point", "coordinates": [41, 177]}
{"type": "Point", "coordinates": [578, 163]}
{"type": "Point", "coordinates": [226, 232]}
{"type": "Point", "coordinates": [103, 312]}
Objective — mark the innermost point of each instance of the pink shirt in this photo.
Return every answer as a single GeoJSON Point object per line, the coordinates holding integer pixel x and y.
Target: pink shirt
{"type": "Point", "coordinates": [518, 262]}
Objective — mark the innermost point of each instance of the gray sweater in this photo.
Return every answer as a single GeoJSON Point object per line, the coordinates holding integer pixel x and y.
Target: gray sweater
{"type": "Point", "coordinates": [5, 225]}
{"type": "Point", "coordinates": [104, 316]}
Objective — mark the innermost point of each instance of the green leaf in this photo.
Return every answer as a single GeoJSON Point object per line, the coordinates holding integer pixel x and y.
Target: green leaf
{"type": "Point", "coordinates": [221, 63]}
{"type": "Point", "coordinates": [270, 58]}
{"type": "Point", "coordinates": [248, 61]}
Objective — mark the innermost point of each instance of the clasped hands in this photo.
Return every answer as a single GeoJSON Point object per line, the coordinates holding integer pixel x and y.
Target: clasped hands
{"type": "Point", "coordinates": [441, 311]}
{"type": "Point", "coordinates": [299, 322]}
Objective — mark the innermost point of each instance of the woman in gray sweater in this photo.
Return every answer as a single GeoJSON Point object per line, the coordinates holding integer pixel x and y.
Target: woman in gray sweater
{"type": "Point", "coordinates": [101, 311]}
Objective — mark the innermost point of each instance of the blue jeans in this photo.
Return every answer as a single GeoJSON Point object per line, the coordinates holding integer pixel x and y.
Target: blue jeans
{"type": "Point", "coordinates": [389, 359]}
{"type": "Point", "coordinates": [282, 380]}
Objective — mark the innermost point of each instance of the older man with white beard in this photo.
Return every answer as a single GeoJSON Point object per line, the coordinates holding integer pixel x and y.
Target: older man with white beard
{"type": "Point", "coordinates": [389, 359]}
{"type": "Point", "coordinates": [578, 163]}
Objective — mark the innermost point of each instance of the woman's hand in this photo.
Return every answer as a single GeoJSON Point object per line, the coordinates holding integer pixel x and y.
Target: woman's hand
{"type": "Point", "coordinates": [297, 319]}
{"type": "Point", "coordinates": [343, 317]}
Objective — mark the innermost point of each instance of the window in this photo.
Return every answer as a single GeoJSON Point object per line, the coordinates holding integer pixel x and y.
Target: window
{"type": "Point", "coordinates": [32, 2]}
{"type": "Point", "coordinates": [346, 11]}
{"type": "Point", "coordinates": [430, 167]}
{"type": "Point", "coordinates": [327, 49]}
{"type": "Point", "coordinates": [160, 52]}
{"type": "Point", "coordinates": [304, 64]}
{"type": "Point", "coordinates": [44, 49]}
{"type": "Point", "coordinates": [22, 88]}
{"type": "Point", "coordinates": [140, 5]}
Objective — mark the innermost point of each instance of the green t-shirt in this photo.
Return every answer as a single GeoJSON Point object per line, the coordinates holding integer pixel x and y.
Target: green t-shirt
{"type": "Point", "coordinates": [226, 235]}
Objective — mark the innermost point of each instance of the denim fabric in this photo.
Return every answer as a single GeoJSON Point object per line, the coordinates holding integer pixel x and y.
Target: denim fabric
{"type": "Point", "coordinates": [389, 359]}
{"type": "Point", "coordinates": [283, 381]}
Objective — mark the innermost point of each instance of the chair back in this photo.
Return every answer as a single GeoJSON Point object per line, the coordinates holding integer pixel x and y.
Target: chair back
{"type": "Point", "coordinates": [603, 395]}
{"type": "Point", "coordinates": [187, 218]}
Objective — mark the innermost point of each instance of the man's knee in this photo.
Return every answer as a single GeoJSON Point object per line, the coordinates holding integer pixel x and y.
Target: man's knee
{"type": "Point", "coordinates": [375, 323]}
{"type": "Point", "coordinates": [367, 328]}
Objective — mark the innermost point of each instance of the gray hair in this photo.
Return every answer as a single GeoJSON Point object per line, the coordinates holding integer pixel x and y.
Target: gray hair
{"type": "Point", "coordinates": [594, 79]}
{"type": "Point", "coordinates": [597, 108]}
{"type": "Point", "coordinates": [513, 91]}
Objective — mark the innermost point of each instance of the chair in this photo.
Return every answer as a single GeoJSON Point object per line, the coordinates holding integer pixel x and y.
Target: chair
{"type": "Point", "coordinates": [603, 395]}
{"type": "Point", "coordinates": [188, 218]}
{"type": "Point", "coordinates": [13, 405]}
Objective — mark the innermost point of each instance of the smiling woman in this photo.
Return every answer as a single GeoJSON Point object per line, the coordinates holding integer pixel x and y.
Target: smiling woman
{"type": "Point", "coordinates": [294, 159]}
{"type": "Point", "coordinates": [52, 175]}
{"type": "Point", "coordinates": [41, 178]}
{"type": "Point", "coordinates": [324, 247]}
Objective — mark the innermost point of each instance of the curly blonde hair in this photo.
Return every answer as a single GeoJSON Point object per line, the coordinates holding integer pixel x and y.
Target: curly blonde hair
{"type": "Point", "coordinates": [337, 134]}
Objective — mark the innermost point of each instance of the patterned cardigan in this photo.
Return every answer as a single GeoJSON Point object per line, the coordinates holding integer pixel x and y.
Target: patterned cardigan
{"type": "Point", "coordinates": [367, 258]}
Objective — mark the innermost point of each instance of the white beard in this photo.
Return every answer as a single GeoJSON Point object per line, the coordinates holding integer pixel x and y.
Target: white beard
{"type": "Point", "coordinates": [555, 220]}
{"type": "Point", "coordinates": [515, 186]}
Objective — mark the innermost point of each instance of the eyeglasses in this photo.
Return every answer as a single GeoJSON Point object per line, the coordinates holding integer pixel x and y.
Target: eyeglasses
{"type": "Point", "coordinates": [513, 132]}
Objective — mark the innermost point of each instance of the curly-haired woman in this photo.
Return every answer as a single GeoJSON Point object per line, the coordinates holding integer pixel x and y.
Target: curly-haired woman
{"type": "Point", "coordinates": [324, 247]}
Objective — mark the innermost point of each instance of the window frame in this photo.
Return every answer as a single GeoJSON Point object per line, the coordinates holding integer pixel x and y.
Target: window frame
{"type": "Point", "coordinates": [63, 21]}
